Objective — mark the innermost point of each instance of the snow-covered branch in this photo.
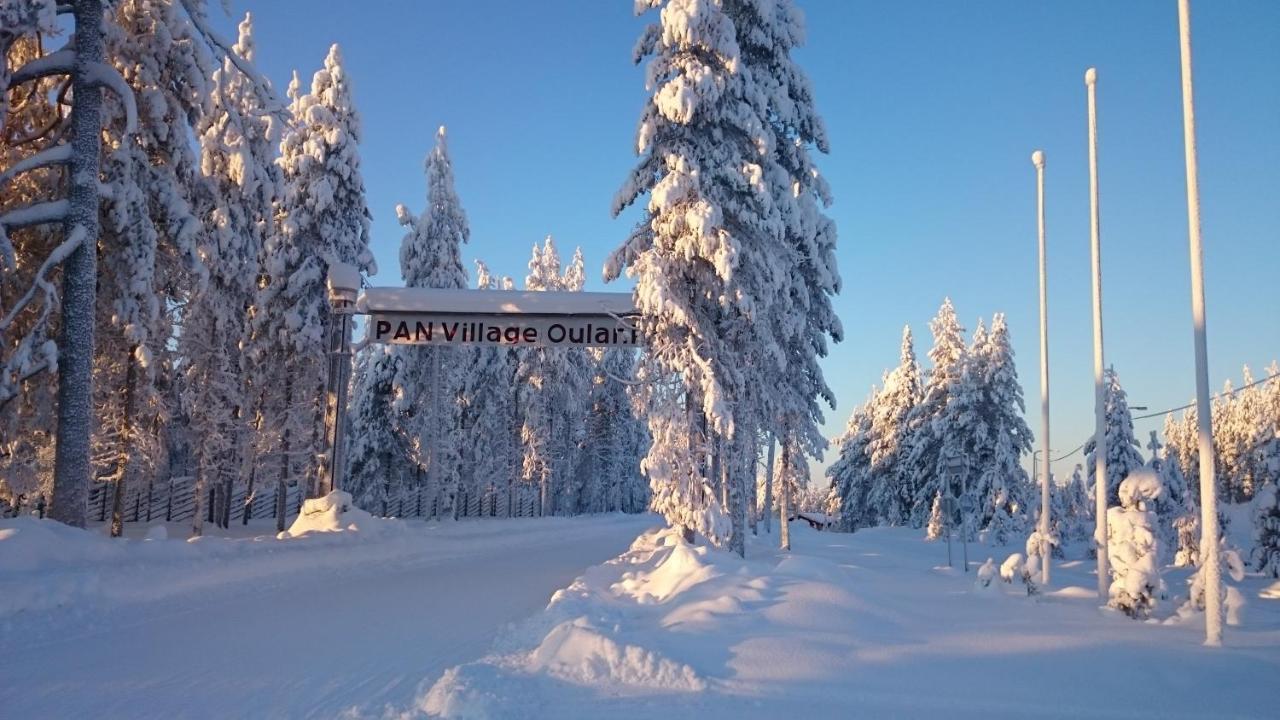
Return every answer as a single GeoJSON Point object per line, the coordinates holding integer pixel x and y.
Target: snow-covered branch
{"type": "Point", "coordinates": [38, 214]}
{"type": "Point", "coordinates": [103, 75]}
{"type": "Point", "coordinates": [40, 282]}
{"type": "Point", "coordinates": [56, 155]}
{"type": "Point", "coordinates": [196, 12]}
{"type": "Point", "coordinates": [57, 63]}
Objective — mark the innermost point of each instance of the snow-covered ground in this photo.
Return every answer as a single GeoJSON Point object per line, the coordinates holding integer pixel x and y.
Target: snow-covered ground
{"type": "Point", "coordinates": [866, 625]}
{"type": "Point", "coordinates": [405, 619]}
{"type": "Point", "coordinates": [253, 626]}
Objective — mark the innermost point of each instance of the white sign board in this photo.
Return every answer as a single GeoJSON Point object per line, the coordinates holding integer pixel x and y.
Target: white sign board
{"type": "Point", "coordinates": [410, 316]}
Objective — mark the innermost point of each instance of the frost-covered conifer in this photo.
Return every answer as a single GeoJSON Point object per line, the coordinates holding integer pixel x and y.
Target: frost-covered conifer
{"type": "Point", "coordinates": [889, 494]}
{"type": "Point", "coordinates": [1133, 545]}
{"type": "Point", "coordinates": [323, 218]}
{"type": "Point", "coordinates": [852, 481]}
{"type": "Point", "coordinates": [1122, 447]}
{"type": "Point", "coordinates": [430, 379]}
{"type": "Point", "coordinates": [376, 451]}
{"type": "Point", "coordinates": [708, 259]}
{"type": "Point", "coordinates": [236, 193]}
{"type": "Point", "coordinates": [927, 424]}
{"type": "Point", "coordinates": [1002, 437]}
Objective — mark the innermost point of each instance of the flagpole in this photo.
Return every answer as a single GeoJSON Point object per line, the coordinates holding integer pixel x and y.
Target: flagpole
{"type": "Point", "coordinates": [1037, 159]}
{"type": "Point", "coordinates": [1100, 485]}
{"type": "Point", "coordinates": [1209, 561]}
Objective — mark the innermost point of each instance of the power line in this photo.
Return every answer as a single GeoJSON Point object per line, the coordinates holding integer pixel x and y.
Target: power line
{"type": "Point", "coordinates": [1182, 407]}
{"type": "Point", "coordinates": [1222, 394]}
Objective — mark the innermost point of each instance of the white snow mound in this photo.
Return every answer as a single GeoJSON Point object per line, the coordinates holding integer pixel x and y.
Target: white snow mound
{"type": "Point", "coordinates": [577, 652]}
{"type": "Point", "coordinates": [332, 513]}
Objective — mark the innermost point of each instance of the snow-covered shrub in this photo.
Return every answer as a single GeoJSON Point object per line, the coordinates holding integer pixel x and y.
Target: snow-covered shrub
{"type": "Point", "coordinates": [1188, 529]}
{"type": "Point", "coordinates": [1133, 546]}
{"type": "Point", "coordinates": [1232, 600]}
{"type": "Point", "coordinates": [986, 573]}
{"type": "Point", "coordinates": [1035, 542]}
{"type": "Point", "coordinates": [1016, 568]}
{"type": "Point", "coordinates": [1266, 530]}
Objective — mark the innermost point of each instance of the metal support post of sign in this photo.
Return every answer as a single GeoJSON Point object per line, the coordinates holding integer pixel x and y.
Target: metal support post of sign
{"type": "Point", "coordinates": [948, 508]}
{"type": "Point", "coordinates": [344, 285]}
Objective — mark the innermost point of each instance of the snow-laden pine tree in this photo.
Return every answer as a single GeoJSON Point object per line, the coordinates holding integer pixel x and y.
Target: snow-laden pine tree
{"type": "Point", "coordinates": [1133, 545]}
{"type": "Point", "coordinates": [236, 193]}
{"type": "Point", "coordinates": [323, 218]}
{"type": "Point", "coordinates": [377, 455]}
{"type": "Point", "coordinates": [1174, 502]}
{"type": "Point", "coordinates": [1123, 456]}
{"type": "Point", "coordinates": [555, 383]}
{"type": "Point", "coordinates": [926, 423]}
{"type": "Point", "coordinates": [767, 31]}
{"type": "Point", "coordinates": [615, 439]}
{"type": "Point", "coordinates": [430, 379]}
{"type": "Point", "coordinates": [1002, 437]}
{"type": "Point", "coordinates": [490, 449]}
{"type": "Point", "coordinates": [853, 485]}
{"type": "Point", "coordinates": [901, 391]}
{"type": "Point", "coordinates": [719, 280]}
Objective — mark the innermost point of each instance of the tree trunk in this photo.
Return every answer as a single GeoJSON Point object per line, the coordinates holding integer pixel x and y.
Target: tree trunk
{"type": "Point", "coordinates": [736, 496]}
{"type": "Point", "coordinates": [785, 494]}
{"type": "Point", "coordinates": [768, 486]}
{"type": "Point", "coordinates": [282, 483]}
{"type": "Point", "coordinates": [197, 519]}
{"type": "Point", "coordinates": [752, 500]}
{"type": "Point", "coordinates": [72, 463]}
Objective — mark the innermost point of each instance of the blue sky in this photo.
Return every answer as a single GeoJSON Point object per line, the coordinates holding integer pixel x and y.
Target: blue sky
{"type": "Point", "coordinates": [933, 109]}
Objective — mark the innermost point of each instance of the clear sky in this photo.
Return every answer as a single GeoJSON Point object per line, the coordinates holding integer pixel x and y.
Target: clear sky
{"type": "Point", "coordinates": [933, 109]}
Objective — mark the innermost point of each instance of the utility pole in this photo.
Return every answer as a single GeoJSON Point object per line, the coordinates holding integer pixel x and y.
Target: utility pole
{"type": "Point", "coordinates": [1204, 413]}
{"type": "Point", "coordinates": [1037, 159]}
{"type": "Point", "coordinates": [1100, 489]}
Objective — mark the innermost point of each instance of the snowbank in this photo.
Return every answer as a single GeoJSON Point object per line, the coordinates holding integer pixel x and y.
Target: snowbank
{"type": "Point", "coordinates": [333, 513]}
{"type": "Point", "coordinates": [844, 621]}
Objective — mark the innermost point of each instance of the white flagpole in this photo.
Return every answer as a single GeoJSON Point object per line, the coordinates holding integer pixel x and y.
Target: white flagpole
{"type": "Point", "coordinates": [1209, 562]}
{"type": "Point", "coordinates": [1100, 489]}
{"type": "Point", "coordinates": [1037, 159]}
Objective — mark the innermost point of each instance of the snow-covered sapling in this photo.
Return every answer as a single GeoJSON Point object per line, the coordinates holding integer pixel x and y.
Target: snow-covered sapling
{"type": "Point", "coordinates": [1133, 546]}
{"type": "Point", "coordinates": [1022, 570]}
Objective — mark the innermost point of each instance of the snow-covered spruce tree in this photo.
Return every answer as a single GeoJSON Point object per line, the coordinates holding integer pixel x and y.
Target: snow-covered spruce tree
{"type": "Point", "coordinates": [926, 425]}
{"type": "Point", "coordinates": [610, 462]}
{"type": "Point", "coordinates": [936, 526]}
{"type": "Point", "coordinates": [236, 193]}
{"type": "Point", "coordinates": [1174, 501]}
{"type": "Point", "coordinates": [376, 450]}
{"type": "Point", "coordinates": [429, 378]}
{"type": "Point", "coordinates": [1266, 530]}
{"type": "Point", "coordinates": [1002, 437]}
{"type": "Point", "coordinates": [322, 217]}
{"type": "Point", "coordinates": [1122, 447]}
{"type": "Point", "coordinates": [705, 258]}
{"type": "Point", "coordinates": [489, 411]}
{"type": "Point", "coordinates": [1078, 523]}
{"type": "Point", "coordinates": [1133, 545]}
{"type": "Point", "coordinates": [852, 482]}
{"type": "Point", "coordinates": [767, 31]}
{"type": "Point", "coordinates": [555, 384]}
{"type": "Point", "coordinates": [901, 391]}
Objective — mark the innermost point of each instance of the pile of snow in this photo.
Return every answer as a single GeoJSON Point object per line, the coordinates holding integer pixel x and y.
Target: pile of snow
{"type": "Point", "coordinates": [334, 512]}
{"type": "Point", "coordinates": [844, 621]}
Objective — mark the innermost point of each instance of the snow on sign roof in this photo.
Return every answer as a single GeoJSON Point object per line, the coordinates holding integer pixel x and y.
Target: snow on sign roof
{"type": "Point", "coordinates": [383, 301]}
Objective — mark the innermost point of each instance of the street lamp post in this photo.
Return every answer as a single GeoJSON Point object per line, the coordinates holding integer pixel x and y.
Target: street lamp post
{"type": "Point", "coordinates": [1037, 159]}
{"type": "Point", "coordinates": [1204, 420]}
